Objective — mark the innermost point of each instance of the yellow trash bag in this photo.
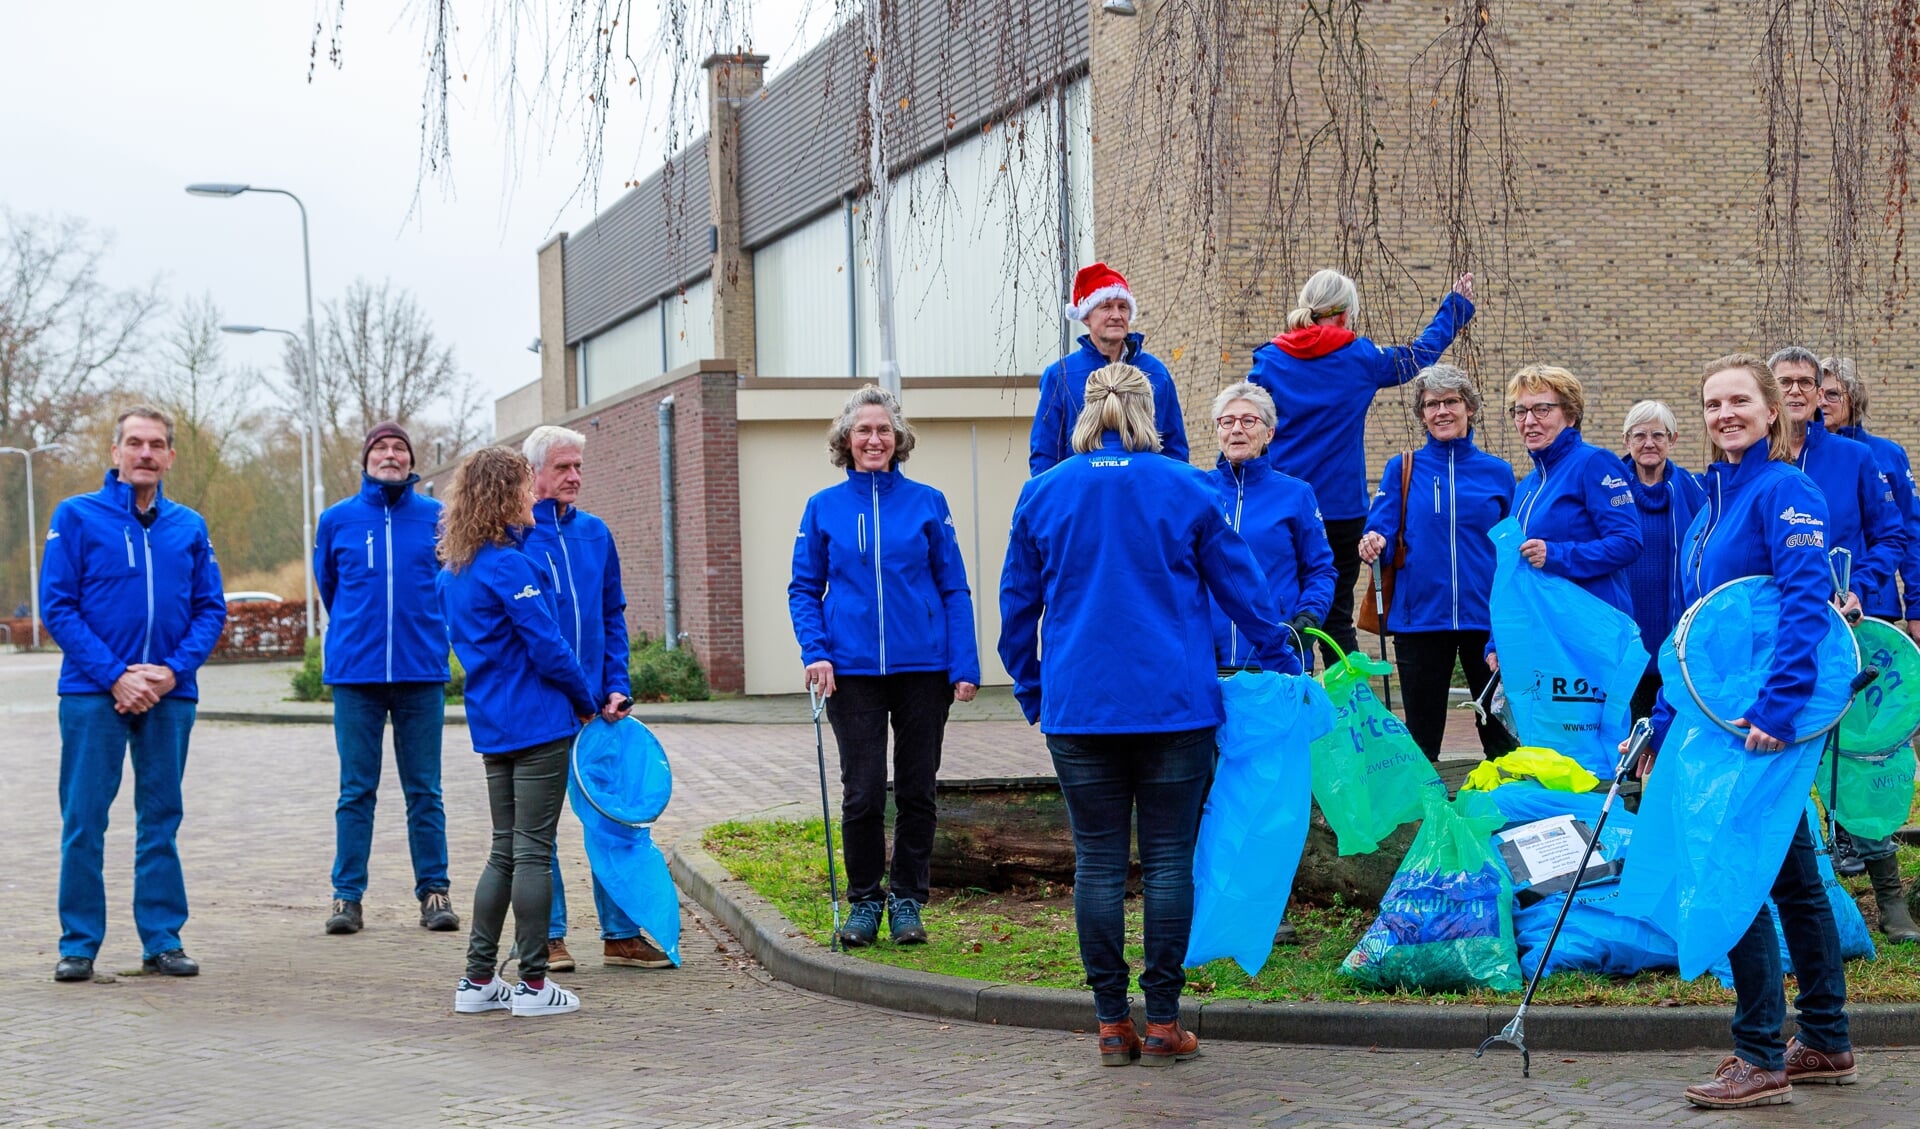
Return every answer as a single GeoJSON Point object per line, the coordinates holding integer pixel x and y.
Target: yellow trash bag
{"type": "Point", "coordinates": [1530, 762]}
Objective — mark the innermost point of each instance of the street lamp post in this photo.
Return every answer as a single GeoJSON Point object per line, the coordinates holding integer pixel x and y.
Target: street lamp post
{"type": "Point", "coordinates": [318, 486]}
{"type": "Point", "coordinates": [307, 495]}
{"type": "Point", "coordinates": [33, 531]}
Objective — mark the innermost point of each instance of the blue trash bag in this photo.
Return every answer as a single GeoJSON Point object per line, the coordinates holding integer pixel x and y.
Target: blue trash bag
{"type": "Point", "coordinates": [1569, 661]}
{"type": "Point", "coordinates": [619, 785]}
{"type": "Point", "coordinates": [1255, 823]}
{"type": "Point", "coordinates": [1715, 820]}
{"type": "Point", "coordinates": [1446, 922]}
{"type": "Point", "coordinates": [1856, 940]}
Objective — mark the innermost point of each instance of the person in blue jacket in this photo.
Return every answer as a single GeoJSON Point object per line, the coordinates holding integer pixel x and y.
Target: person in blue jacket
{"type": "Point", "coordinates": [525, 699]}
{"type": "Point", "coordinates": [1765, 518]}
{"type": "Point", "coordinates": [386, 657]}
{"type": "Point", "coordinates": [1456, 494]}
{"type": "Point", "coordinates": [1104, 626]}
{"type": "Point", "coordinates": [578, 551]}
{"type": "Point", "coordinates": [1865, 519]}
{"type": "Point", "coordinates": [1103, 301]}
{"type": "Point", "coordinates": [1323, 379]}
{"type": "Point", "coordinates": [881, 609]}
{"type": "Point", "coordinates": [1278, 517]}
{"type": "Point", "coordinates": [130, 590]}
{"type": "Point", "coordinates": [1576, 508]}
{"type": "Point", "coordinates": [1843, 404]}
{"type": "Point", "coordinates": [1666, 495]}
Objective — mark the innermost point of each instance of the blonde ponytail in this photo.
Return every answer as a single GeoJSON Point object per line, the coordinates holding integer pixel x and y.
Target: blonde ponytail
{"type": "Point", "coordinates": [1327, 293]}
{"type": "Point", "coordinates": [1119, 399]}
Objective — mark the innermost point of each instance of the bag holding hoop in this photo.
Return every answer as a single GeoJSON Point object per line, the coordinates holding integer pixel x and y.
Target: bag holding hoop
{"type": "Point", "coordinates": [1365, 617]}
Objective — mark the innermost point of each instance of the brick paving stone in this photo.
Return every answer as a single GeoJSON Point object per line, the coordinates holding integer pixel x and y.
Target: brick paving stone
{"type": "Point", "coordinates": [290, 1027]}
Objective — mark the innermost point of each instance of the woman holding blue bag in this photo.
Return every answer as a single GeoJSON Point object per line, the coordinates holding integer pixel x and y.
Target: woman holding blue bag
{"type": "Point", "coordinates": [1766, 518]}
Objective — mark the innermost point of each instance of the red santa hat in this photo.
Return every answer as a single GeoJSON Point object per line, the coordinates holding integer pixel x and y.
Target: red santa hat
{"type": "Point", "coordinates": [1096, 283]}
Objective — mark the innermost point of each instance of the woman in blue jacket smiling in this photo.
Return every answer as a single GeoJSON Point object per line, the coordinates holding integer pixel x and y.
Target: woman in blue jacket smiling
{"type": "Point", "coordinates": [1576, 508]}
{"type": "Point", "coordinates": [880, 605]}
{"type": "Point", "coordinates": [1111, 558]}
{"type": "Point", "coordinates": [1765, 518]}
{"type": "Point", "coordinates": [1457, 493]}
{"type": "Point", "coordinates": [1275, 513]}
{"type": "Point", "coordinates": [525, 698]}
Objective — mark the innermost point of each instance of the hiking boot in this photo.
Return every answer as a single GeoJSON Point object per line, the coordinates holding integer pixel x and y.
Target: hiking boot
{"type": "Point", "coordinates": [70, 970]}
{"type": "Point", "coordinates": [1167, 1043]}
{"type": "Point", "coordinates": [1739, 1084]}
{"type": "Point", "coordinates": [436, 912]}
{"type": "Point", "coordinates": [903, 917]}
{"type": "Point", "coordinates": [1891, 895]}
{"type": "Point", "coordinates": [1846, 862]}
{"type": "Point", "coordinates": [495, 995]}
{"type": "Point", "coordinates": [1286, 934]}
{"type": "Point", "coordinates": [634, 952]}
{"type": "Point", "coordinates": [346, 917]}
{"type": "Point", "coordinates": [1119, 1043]}
{"type": "Point", "coordinates": [1829, 1068]}
{"type": "Point", "coordinates": [558, 958]}
{"type": "Point", "coordinates": [862, 927]}
{"type": "Point", "coordinates": [173, 962]}
{"type": "Point", "coordinates": [548, 999]}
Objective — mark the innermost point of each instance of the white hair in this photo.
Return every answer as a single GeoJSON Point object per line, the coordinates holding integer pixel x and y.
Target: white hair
{"type": "Point", "coordinates": [543, 439]}
{"type": "Point", "coordinates": [1650, 411]}
{"type": "Point", "coordinates": [1252, 393]}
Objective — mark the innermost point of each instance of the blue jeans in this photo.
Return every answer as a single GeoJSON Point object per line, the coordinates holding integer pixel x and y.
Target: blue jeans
{"type": "Point", "coordinates": [360, 713]}
{"type": "Point", "coordinates": [1104, 779]}
{"type": "Point", "coordinates": [93, 750]}
{"type": "Point", "coordinates": [1813, 941]}
{"type": "Point", "coordinates": [614, 925]}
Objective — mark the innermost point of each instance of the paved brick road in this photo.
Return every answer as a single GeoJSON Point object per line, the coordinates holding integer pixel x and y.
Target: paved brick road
{"type": "Point", "coordinates": [288, 1027]}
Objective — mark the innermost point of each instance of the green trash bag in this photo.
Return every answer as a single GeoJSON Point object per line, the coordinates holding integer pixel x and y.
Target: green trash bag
{"type": "Point", "coordinates": [1875, 792]}
{"type": "Point", "coordinates": [1368, 775]}
{"type": "Point", "coordinates": [1887, 713]}
{"type": "Point", "coordinates": [1446, 922]}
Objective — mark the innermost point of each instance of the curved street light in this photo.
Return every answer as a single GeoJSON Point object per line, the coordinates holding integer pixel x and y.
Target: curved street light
{"type": "Point", "coordinates": [33, 531]}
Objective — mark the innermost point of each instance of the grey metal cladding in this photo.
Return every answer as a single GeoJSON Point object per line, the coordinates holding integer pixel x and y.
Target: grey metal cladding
{"type": "Point", "coordinates": [650, 241]}
{"type": "Point", "coordinates": [965, 62]}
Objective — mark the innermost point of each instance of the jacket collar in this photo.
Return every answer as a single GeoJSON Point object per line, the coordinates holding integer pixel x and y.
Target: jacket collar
{"type": "Point", "coordinates": [1311, 341]}
{"type": "Point", "coordinates": [1253, 470]}
{"type": "Point", "coordinates": [1855, 431]}
{"type": "Point", "coordinates": [1460, 446]}
{"type": "Point", "coordinates": [1733, 476]}
{"type": "Point", "coordinates": [1562, 445]}
{"type": "Point", "coordinates": [869, 480]}
{"type": "Point", "coordinates": [121, 493]}
{"type": "Point", "coordinates": [385, 494]}
{"type": "Point", "coordinates": [1128, 351]}
{"type": "Point", "coordinates": [546, 511]}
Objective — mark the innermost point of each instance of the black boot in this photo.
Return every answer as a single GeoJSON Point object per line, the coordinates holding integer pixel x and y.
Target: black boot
{"type": "Point", "coordinates": [1846, 862]}
{"type": "Point", "coordinates": [1890, 894]}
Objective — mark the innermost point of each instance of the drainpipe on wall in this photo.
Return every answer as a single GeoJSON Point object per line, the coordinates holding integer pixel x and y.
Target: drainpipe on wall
{"type": "Point", "coordinates": [668, 568]}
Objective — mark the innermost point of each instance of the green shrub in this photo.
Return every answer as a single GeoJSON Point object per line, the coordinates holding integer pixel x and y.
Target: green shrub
{"type": "Point", "coordinates": [308, 687]}
{"type": "Point", "coordinates": [660, 675]}
{"type": "Point", "coordinates": [457, 683]}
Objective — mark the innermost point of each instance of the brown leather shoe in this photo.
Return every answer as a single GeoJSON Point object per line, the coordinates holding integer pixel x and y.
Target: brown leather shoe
{"type": "Point", "coordinates": [634, 952]}
{"type": "Point", "coordinates": [1739, 1084]}
{"type": "Point", "coordinates": [1804, 1064]}
{"type": "Point", "coordinates": [1167, 1043]}
{"type": "Point", "coordinates": [558, 958]}
{"type": "Point", "coordinates": [1119, 1043]}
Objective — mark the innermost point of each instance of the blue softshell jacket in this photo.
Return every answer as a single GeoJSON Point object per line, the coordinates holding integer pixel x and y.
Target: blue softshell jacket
{"type": "Point", "coordinates": [1864, 508]}
{"type": "Point", "coordinates": [1763, 518]}
{"type": "Point", "coordinates": [1579, 501]}
{"type": "Point", "coordinates": [1063, 392]}
{"type": "Point", "coordinates": [373, 562]}
{"type": "Point", "coordinates": [579, 553]}
{"type": "Point", "coordinates": [114, 593]}
{"type": "Point", "coordinates": [1277, 516]}
{"type": "Point", "coordinates": [879, 586]}
{"type": "Point", "coordinates": [1320, 433]}
{"type": "Point", "coordinates": [1685, 498]}
{"type": "Point", "coordinates": [1458, 493]}
{"type": "Point", "coordinates": [1120, 550]}
{"type": "Point", "coordinates": [524, 687]}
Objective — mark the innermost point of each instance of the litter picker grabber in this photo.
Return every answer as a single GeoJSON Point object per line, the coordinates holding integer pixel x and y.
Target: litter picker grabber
{"type": "Point", "coordinates": [1515, 1032]}
{"type": "Point", "coordinates": [826, 811]}
{"type": "Point", "coordinates": [1380, 617]}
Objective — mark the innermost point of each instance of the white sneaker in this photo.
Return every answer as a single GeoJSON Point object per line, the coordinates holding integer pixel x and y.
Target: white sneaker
{"type": "Point", "coordinates": [550, 1000]}
{"type": "Point", "coordinates": [494, 995]}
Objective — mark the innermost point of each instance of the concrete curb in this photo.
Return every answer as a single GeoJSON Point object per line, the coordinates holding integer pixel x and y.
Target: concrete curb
{"type": "Point", "coordinates": [789, 956]}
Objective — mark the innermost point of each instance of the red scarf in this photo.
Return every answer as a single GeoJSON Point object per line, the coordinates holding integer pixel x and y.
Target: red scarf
{"type": "Point", "coordinates": [1312, 341]}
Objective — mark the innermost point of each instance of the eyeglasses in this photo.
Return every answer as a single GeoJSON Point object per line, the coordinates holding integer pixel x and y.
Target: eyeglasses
{"type": "Point", "coordinates": [1798, 384]}
{"type": "Point", "coordinates": [1245, 423]}
{"type": "Point", "coordinates": [1642, 438]}
{"type": "Point", "coordinates": [1832, 396]}
{"type": "Point", "coordinates": [1537, 411]}
{"type": "Point", "coordinates": [1450, 404]}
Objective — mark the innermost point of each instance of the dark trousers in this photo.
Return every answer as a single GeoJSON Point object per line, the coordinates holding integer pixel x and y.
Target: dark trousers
{"type": "Point", "coordinates": [1813, 941]}
{"type": "Point", "coordinates": [1426, 660]}
{"type": "Point", "coordinates": [862, 706]}
{"type": "Point", "coordinates": [360, 713]}
{"type": "Point", "coordinates": [524, 791]}
{"type": "Point", "coordinates": [1344, 536]}
{"type": "Point", "coordinates": [1645, 694]}
{"type": "Point", "coordinates": [1110, 781]}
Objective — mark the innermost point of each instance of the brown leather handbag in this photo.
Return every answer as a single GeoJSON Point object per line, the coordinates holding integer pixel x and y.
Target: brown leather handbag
{"type": "Point", "coordinates": [1366, 618]}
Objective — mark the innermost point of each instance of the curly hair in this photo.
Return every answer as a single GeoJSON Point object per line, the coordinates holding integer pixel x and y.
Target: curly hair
{"type": "Point", "coordinates": [488, 495]}
{"type": "Point", "coordinates": [840, 432]}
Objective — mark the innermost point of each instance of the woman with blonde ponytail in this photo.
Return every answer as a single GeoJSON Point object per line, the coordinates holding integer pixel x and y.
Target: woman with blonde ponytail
{"type": "Point", "coordinates": [1322, 378]}
{"type": "Point", "coordinates": [1110, 562]}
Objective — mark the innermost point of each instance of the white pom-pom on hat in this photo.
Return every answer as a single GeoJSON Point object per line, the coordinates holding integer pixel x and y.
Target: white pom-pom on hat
{"type": "Point", "coordinates": [1096, 283]}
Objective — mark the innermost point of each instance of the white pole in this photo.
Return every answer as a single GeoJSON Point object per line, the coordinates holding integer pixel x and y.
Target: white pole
{"type": "Point", "coordinates": [881, 184]}
{"type": "Point", "coordinates": [33, 559]}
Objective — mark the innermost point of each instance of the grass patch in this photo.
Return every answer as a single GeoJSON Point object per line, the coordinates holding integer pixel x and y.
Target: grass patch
{"type": "Point", "coordinates": [1027, 937]}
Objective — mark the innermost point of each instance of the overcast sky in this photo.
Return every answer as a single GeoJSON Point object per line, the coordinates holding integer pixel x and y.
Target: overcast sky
{"type": "Point", "coordinates": [112, 106]}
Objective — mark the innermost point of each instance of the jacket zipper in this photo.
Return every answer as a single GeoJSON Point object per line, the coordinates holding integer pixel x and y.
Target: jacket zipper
{"type": "Point", "coordinates": [1239, 499]}
{"type": "Point", "coordinates": [1453, 536]}
{"type": "Point", "coordinates": [389, 588]}
{"type": "Point", "coordinates": [129, 537]}
{"type": "Point", "coordinates": [369, 548]}
{"type": "Point", "coordinates": [146, 647]}
{"type": "Point", "coordinates": [573, 592]}
{"type": "Point", "coordinates": [879, 584]}
{"type": "Point", "coordinates": [1706, 535]}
